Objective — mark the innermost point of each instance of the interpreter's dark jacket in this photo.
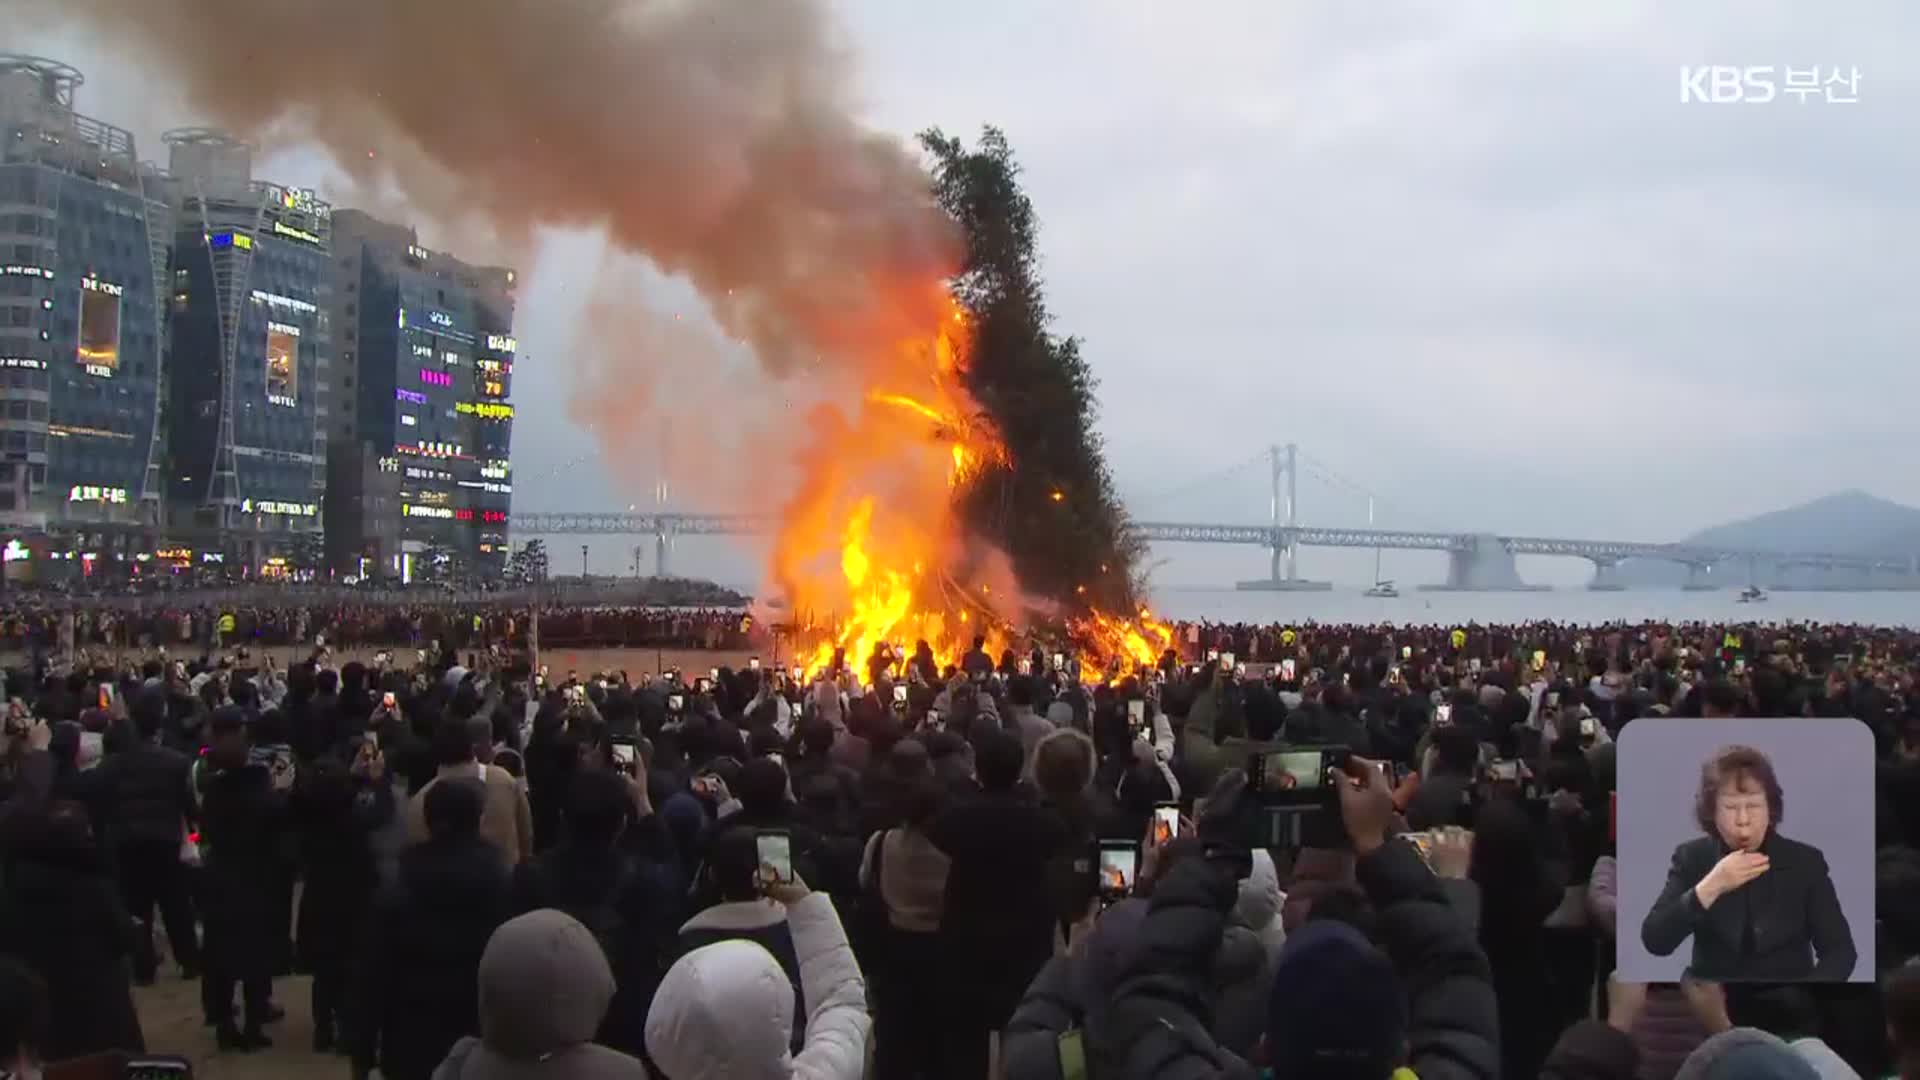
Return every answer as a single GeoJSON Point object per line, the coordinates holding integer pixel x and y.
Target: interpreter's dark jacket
{"type": "Point", "coordinates": [1161, 1012]}
{"type": "Point", "coordinates": [1770, 929]}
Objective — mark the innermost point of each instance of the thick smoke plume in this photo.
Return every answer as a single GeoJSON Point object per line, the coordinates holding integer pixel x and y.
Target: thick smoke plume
{"type": "Point", "coordinates": [713, 137]}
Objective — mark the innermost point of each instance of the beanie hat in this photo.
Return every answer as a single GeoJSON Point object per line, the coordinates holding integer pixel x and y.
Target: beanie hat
{"type": "Point", "coordinates": [1337, 1008]}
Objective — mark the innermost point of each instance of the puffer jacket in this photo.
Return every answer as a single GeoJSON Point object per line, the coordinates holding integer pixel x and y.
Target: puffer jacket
{"type": "Point", "coordinates": [1074, 990]}
{"type": "Point", "coordinates": [1160, 1017]}
{"type": "Point", "coordinates": [725, 1011]}
{"type": "Point", "coordinates": [147, 795]}
{"type": "Point", "coordinates": [544, 986]}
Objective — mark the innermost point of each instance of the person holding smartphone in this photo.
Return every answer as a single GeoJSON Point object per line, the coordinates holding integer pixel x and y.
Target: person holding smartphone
{"type": "Point", "coordinates": [1327, 976]}
{"type": "Point", "coordinates": [722, 1009]}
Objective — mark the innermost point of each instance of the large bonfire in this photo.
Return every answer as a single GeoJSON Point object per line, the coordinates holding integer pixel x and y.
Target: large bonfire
{"type": "Point", "coordinates": [872, 553]}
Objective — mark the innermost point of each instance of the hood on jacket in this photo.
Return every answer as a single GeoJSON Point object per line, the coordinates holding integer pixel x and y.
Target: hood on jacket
{"type": "Point", "coordinates": [544, 985]}
{"type": "Point", "coordinates": [1060, 715]}
{"type": "Point", "coordinates": [723, 1012]}
{"type": "Point", "coordinates": [1745, 1054]}
{"type": "Point", "coordinates": [1260, 896]}
{"type": "Point", "coordinates": [1825, 1061]}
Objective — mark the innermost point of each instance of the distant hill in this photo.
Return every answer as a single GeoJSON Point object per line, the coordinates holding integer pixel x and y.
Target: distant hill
{"type": "Point", "coordinates": [1846, 523]}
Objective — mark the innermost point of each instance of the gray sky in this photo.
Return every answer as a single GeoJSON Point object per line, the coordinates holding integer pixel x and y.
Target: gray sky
{"type": "Point", "coordinates": [1476, 258]}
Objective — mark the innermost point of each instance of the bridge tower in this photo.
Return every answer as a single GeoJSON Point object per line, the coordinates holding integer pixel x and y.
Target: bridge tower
{"type": "Point", "coordinates": [1283, 574]}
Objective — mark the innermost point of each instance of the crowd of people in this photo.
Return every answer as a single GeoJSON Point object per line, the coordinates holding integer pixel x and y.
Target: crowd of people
{"type": "Point", "coordinates": [31, 628]}
{"type": "Point", "coordinates": [902, 870]}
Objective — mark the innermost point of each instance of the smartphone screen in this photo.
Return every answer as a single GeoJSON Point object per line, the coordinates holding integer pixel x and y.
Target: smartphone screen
{"type": "Point", "coordinates": [675, 703]}
{"type": "Point", "coordinates": [1137, 713]}
{"type": "Point", "coordinates": [776, 857]}
{"type": "Point", "coordinates": [1473, 665]}
{"type": "Point", "coordinates": [1422, 842]}
{"type": "Point", "coordinates": [713, 675]}
{"type": "Point", "coordinates": [1059, 661]}
{"type": "Point", "coordinates": [1589, 727]}
{"type": "Point", "coordinates": [623, 756]}
{"type": "Point", "coordinates": [388, 701]}
{"type": "Point", "coordinates": [1406, 652]}
{"type": "Point", "coordinates": [1288, 669]}
{"type": "Point", "coordinates": [702, 686]}
{"type": "Point", "coordinates": [1505, 771]}
{"type": "Point", "coordinates": [1166, 823]}
{"type": "Point", "coordinates": [1739, 665]}
{"type": "Point", "coordinates": [1119, 867]}
{"type": "Point", "coordinates": [1539, 659]}
{"type": "Point", "coordinates": [1025, 667]}
{"type": "Point", "coordinates": [753, 663]}
{"type": "Point", "coordinates": [1213, 655]}
{"type": "Point", "coordinates": [1443, 715]}
{"type": "Point", "coordinates": [1287, 770]}
{"type": "Point", "coordinates": [1226, 659]}
{"type": "Point", "coordinates": [899, 695]}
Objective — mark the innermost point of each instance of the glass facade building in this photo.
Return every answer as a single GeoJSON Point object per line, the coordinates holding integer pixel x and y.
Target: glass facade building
{"type": "Point", "coordinates": [252, 358]}
{"type": "Point", "coordinates": [422, 440]}
{"type": "Point", "coordinates": [84, 229]}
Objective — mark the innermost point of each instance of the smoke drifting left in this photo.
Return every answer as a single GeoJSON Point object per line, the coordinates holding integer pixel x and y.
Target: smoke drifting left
{"type": "Point", "coordinates": [714, 138]}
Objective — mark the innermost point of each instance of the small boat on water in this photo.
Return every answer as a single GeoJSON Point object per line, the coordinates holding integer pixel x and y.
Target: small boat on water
{"type": "Point", "coordinates": [1752, 594]}
{"type": "Point", "coordinates": [1384, 590]}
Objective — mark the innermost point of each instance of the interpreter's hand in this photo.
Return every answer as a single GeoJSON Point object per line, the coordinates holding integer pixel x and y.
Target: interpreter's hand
{"type": "Point", "coordinates": [1708, 1002]}
{"type": "Point", "coordinates": [1366, 804]}
{"type": "Point", "coordinates": [1625, 1002]}
{"type": "Point", "coordinates": [1730, 873]}
{"type": "Point", "coordinates": [1451, 852]}
{"type": "Point", "coordinates": [786, 892]}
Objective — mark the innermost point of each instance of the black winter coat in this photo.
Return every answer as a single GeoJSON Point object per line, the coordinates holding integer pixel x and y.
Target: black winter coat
{"type": "Point", "coordinates": [1158, 1023]}
{"type": "Point", "coordinates": [340, 869]}
{"type": "Point", "coordinates": [146, 795]}
{"type": "Point", "coordinates": [998, 926]}
{"type": "Point", "coordinates": [61, 914]}
{"type": "Point", "coordinates": [420, 966]}
{"type": "Point", "coordinates": [242, 840]}
{"type": "Point", "coordinates": [634, 908]}
{"type": "Point", "coordinates": [1768, 929]}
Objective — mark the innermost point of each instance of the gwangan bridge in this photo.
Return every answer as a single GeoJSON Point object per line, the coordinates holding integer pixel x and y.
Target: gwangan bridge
{"type": "Point", "coordinates": [1475, 561]}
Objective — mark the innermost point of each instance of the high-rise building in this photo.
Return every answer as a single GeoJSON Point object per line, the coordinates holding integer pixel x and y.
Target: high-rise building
{"type": "Point", "coordinates": [84, 229]}
{"type": "Point", "coordinates": [251, 363]}
{"type": "Point", "coordinates": [421, 439]}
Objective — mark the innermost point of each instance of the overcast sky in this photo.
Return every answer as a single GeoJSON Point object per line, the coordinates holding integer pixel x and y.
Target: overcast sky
{"type": "Point", "coordinates": [1475, 258]}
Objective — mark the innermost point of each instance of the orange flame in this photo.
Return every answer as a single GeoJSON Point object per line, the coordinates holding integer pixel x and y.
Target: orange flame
{"type": "Point", "coordinates": [873, 537]}
{"type": "Point", "coordinates": [870, 552]}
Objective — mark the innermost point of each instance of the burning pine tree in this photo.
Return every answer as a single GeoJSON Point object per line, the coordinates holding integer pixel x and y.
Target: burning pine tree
{"type": "Point", "coordinates": [969, 496]}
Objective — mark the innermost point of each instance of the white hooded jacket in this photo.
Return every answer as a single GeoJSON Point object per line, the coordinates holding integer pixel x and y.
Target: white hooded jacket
{"type": "Point", "coordinates": [725, 1011]}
